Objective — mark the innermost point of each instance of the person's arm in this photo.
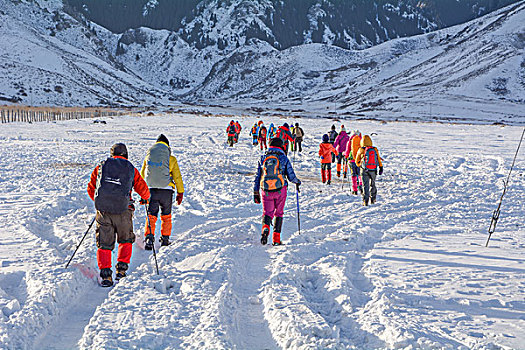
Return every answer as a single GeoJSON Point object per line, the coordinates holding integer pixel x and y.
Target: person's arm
{"type": "Point", "coordinates": [290, 174]}
{"type": "Point", "coordinates": [257, 181]}
{"type": "Point", "coordinates": [140, 186]}
{"type": "Point", "coordinates": [93, 183]}
{"type": "Point", "coordinates": [143, 169]}
{"type": "Point", "coordinates": [359, 157]}
{"type": "Point", "coordinates": [176, 175]}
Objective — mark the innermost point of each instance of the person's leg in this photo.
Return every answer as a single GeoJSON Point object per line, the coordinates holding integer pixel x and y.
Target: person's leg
{"type": "Point", "coordinates": [373, 188]}
{"type": "Point", "coordinates": [125, 239]}
{"type": "Point", "coordinates": [366, 187]}
{"type": "Point", "coordinates": [323, 172]}
{"type": "Point", "coordinates": [153, 212]}
{"type": "Point", "coordinates": [328, 173]}
{"type": "Point", "coordinates": [166, 203]}
{"type": "Point", "coordinates": [105, 239]}
{"type": "Point", "coordinates": [280, 201]}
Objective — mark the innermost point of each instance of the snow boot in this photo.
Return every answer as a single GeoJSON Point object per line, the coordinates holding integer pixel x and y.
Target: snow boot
{"type": "Point", "coordinates": [328, 182]}
{"type": "Point", "coordinates": [365, 203]}
{"type": "Point", "coordinates": [148, 242]}
{"type": "Point", "coordinates": [106, 275]}
{"type": "Point", "coordinates": [121, 268]}
{"type": "Point", "coordinates": [372, 200]}
{"type": "Point", "coordinates": [164, 241]}
{"type": "Point", "coordinates": [267, 220]}
{"type": "Point", "coordinates": [354, 193]}
{"type": "Point", "coordinates": [277, 226]}
{"type": "Point", "coordinates": [361, 189]}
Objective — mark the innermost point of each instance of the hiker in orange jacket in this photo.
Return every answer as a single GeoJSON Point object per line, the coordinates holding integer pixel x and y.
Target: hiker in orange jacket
{"type": "Point", "coordinates": [326, 149]}
{"type": "Point", "coordinates": [368, 159]}
{"type": "Point", "coordinates": [110, 188]}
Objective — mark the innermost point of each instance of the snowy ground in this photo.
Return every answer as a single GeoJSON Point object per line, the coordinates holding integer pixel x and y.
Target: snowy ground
{"type": "Point", "coordinates": [409, 272]}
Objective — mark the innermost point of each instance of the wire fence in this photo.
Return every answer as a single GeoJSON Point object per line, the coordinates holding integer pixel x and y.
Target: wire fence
{"type": "Point", "coordinates": [25, 114]}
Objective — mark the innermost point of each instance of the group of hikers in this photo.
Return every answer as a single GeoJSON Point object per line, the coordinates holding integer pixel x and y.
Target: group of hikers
{"type": "Point", "coordinates": [110, 188]}
{"type": "Point", "coordinates": [359, 152]}
{"type": "Point", "coordinates": [112, 181]}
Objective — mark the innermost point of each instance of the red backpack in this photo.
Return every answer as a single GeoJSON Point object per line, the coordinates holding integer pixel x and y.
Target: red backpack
{"type": "Point", "coordinates": [370, 160]}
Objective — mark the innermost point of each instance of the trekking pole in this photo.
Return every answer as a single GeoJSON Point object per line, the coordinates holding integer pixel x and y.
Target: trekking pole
{"type": "Point", "coordinates": [297, 201]}
{"type": "Point", "coordinates": [149, 225]}
{"type": "Point", "coordinates": [82, 240]}
{"type": "Point", "coordinates": [495, 214]}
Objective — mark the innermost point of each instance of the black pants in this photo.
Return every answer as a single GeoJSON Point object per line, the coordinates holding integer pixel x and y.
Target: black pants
{"type": "Point", "coordinates": [162, 198]}
{"type": "Point", "coordinates": [298, 144]}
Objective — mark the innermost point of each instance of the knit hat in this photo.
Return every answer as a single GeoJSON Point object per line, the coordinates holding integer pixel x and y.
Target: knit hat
{"type": "Point", "coordinates": [286, 125]}
{"type": "Point", "coordinates": [163, 138]}
{"type": "Point", "coordinates": [333, 127]}
{"type": "Point", "coordinates": [297, 124]}
{"type": "Point", "coordinates": [119, 149]}
{"type": "Point", "coordinates": [325, 138]}
{"type": "Point", "coordinates": [343, 128]}
{"type": "Point", "coordinates": [277, 142]}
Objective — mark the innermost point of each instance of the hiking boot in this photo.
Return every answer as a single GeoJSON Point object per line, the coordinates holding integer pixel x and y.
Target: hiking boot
{"type": "Point", "coordinates": [277, 243]}
{"type": "Point", "coordinates": [107, 280]}
{"type": "Point", "coordinates": [265, 234]}
{"type": "Point", "coordinates": [148, 242]}
{"type": "Point", "coordinates": [338, 174]}
{"type": "Point", "coordinates": [365, 203]}
{"type": "Point", "coordinates": [121, 268]}
{"type": "Point", "coordinates": [344, 175]}
{"type": "Point", "coordinates": [354, 193]}
{"type": "Point", "coordinates": [360, 189]}
{"type": "Point", "coordinates": [372, 201]}
{"type": "Point", "coordinates": [328, 182]}
{"type": "Point", "coordinates": [164, 241]}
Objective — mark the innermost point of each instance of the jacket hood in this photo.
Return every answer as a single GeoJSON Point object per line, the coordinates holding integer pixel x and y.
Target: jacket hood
{"type": "Point", "coordinates": [366, 141]}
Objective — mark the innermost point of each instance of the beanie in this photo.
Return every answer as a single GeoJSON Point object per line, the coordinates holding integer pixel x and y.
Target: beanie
{"type": "Point", "coordinates": [277, 142]}
{"type": "Point", "coordinates": [333, 127]}
{"type": "Point", "coordinates": [286, 125]}
{"type": "Point", "coordinates": [163, 138]}
{"type": "Point", "coordinates": [325, 138]}
{"type": "Point", "coordinates": [119, 149]}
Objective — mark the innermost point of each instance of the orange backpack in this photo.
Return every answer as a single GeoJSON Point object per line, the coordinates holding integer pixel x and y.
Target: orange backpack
{"type": "Point", "coordinates": [272, 180]}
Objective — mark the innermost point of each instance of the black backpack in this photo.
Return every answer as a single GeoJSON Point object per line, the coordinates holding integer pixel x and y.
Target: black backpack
{"type": "Point", "coordinates": [114, 184]}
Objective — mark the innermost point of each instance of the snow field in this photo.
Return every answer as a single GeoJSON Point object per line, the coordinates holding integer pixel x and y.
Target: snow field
{"type": "Point", "coordinates": [409, 272]}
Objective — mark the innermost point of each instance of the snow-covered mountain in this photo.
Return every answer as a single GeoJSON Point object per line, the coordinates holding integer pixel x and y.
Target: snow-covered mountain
{"type": "Point", "coordinates": [52, 53]}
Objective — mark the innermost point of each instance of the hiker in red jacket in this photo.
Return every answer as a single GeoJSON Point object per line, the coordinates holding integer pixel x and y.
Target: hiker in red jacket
{"type": "Point", "coordinates": [110, 187]}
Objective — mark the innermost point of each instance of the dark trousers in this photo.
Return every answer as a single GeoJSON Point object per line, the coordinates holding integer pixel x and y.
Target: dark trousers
{"type": "Point", "coordinates": [369, 184]}
{"type": "Point", "coordinates": [160, 198]}
{"type": "Point", "coordinates": [111, 225]}
{"type": "Point", "coordinates": [298, 144]}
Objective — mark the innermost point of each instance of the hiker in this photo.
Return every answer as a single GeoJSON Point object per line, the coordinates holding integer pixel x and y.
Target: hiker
{"type": "Point", "coordinates": [231, 130]}
{"type": "Point", "coordinates": [369, 161]}
{"type": "Point", "coordinates": [162, 174]}
{"type": "Point", "coordinates": [332, 134]}
{"type": "Point", "coordinates": [272, 171]}
{"type": "Point", "coordinates": [271, 131]}
{"type": "Point", "coordinates": [354, 143]}
{"type": "Point", "coordinates": [238, 129]}
{"type": "Point", "coordinates": [110, 188]}
{"type": "Point", "coordinates": [326, 150]}
{"type": "Point", "coordinates": [255, 133]}
{"type": "Point", "coordinates": [298, 134]}
{"type": "Point", "coordinates": [262, 136]}
{"type": "Point", "coordinates": [283, 132]}
{"type": "Point", "coordinates": [340, 145]}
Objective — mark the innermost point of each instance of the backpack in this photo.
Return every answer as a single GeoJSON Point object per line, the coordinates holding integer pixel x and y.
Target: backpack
{"type": "Point", "coordinates": [232, 129]}
{"type": "Point", "coordinates": [370, 160]}
{"type": "Point", "coordinates": [272, 180]}
{"type": "Point", "coordinates": [262, 132]}
{"type": "Point", "coordinates": [114, 184]}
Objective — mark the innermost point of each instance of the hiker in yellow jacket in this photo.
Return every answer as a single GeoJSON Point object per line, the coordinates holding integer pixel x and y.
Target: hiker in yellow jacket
{"type": "Point", "coordinates": [162, 174]}
{"type": "Point", "coordinates": [368, 159]}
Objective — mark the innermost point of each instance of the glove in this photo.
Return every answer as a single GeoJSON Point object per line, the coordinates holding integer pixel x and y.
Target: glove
{"type": "Point", "coordinates": [179, 198]}
{"type": "Point", "coordinates": [380, 170]}
{"type": "Point", "coordinates": [257, 197]}
{"type": "Point", "coordinates": [144, 201]}
{"type": "Point", "coordinates": [297, 186]}
{"type": "Point", "coordinates": [322, 157]}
